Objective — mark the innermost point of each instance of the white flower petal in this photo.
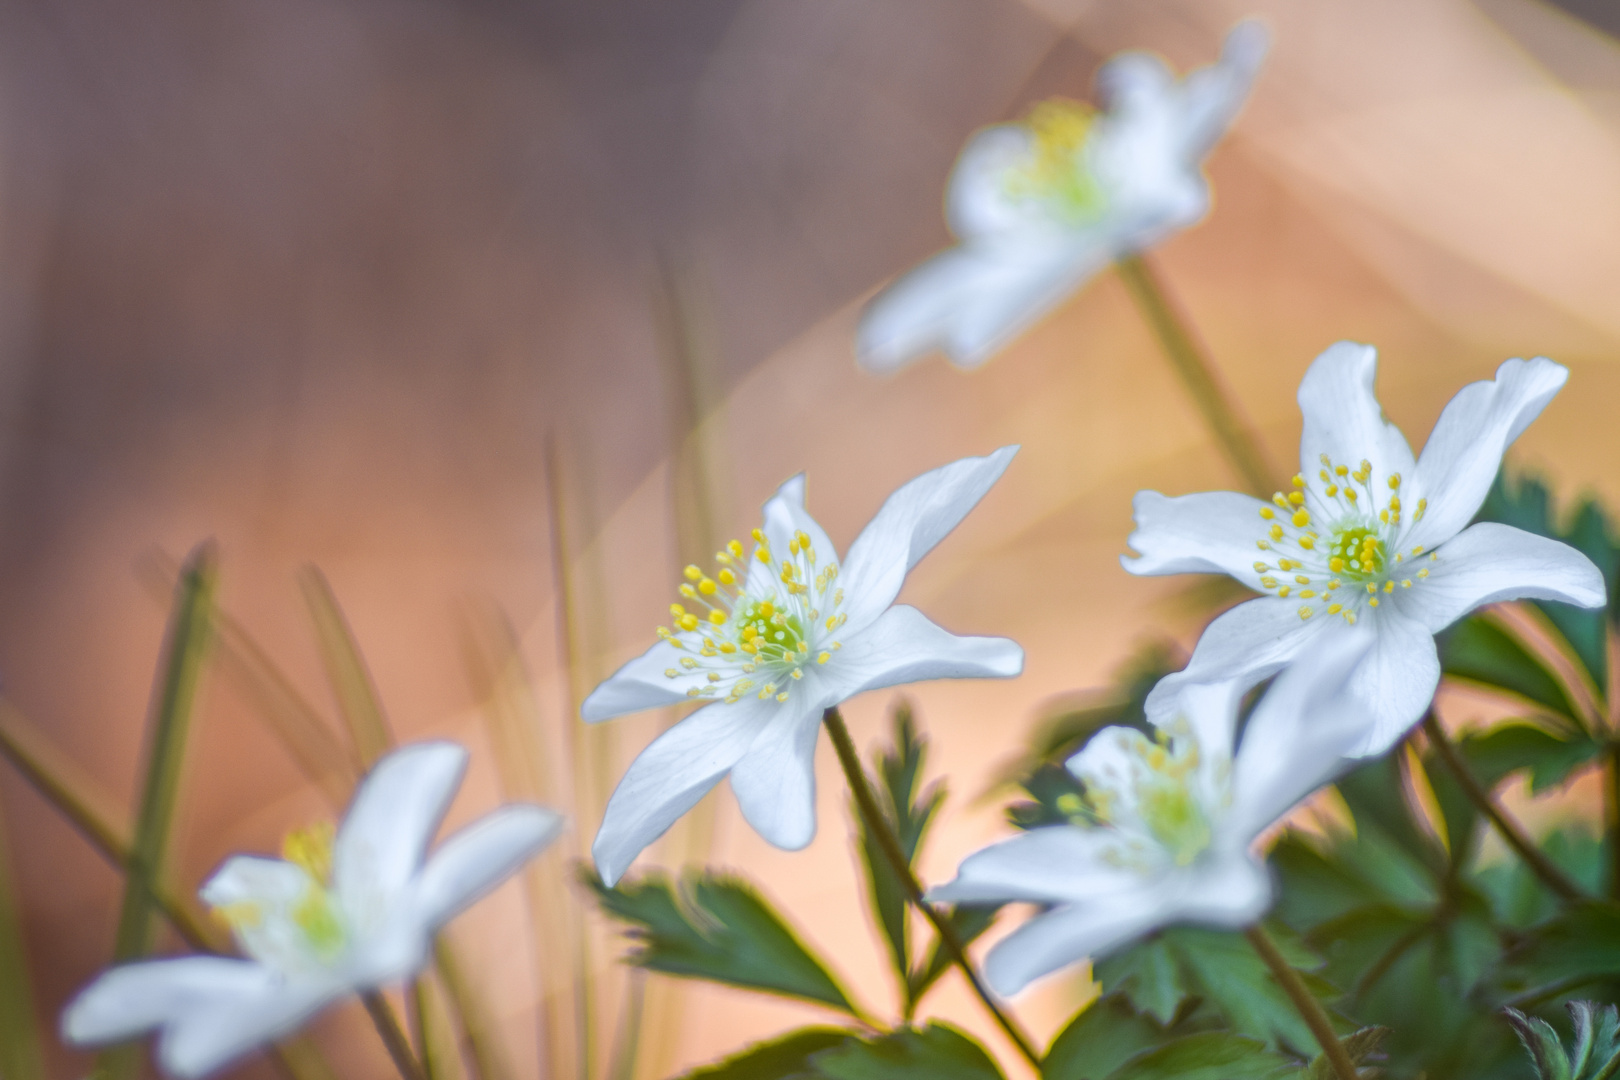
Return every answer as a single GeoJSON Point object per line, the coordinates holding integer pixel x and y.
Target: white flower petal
{"type": "Point", "coordinates": [1251, 642]}
{"type": "Point", "coordinates": [1465, 448]}
{"type": "Point", "coordinates": [1343, 418]}
{"type": "Point", "coordinates": [131, 999]}
{"type": "Point", "coordinates": [1212, 96]}
{"type": "Point", "coordinates": [668, 778]}
{"type": "Point", "coordinates": [784, 514]}
{"type": "Point", "coordinates": [970, 301]}
{"type": "Point", "coordinates": [255, 879]}
{"type": "Point", "coordinates": [775, 781]}
{"type": "Point", "coordinates": [905, 646]}
{"type": "Point", "coordinates": [1299, 735]}
{"type": "Point", "coordinates": [642, 684]}
{"type": "Point", "coordinates": [977, 203]}
{"type": "Point", "coordinates": [919, 514]}
{"type": "Point", "coordinates": [1396, 681]}
{"type": "Point", "coordinates": [1489, 562]}
{"type": "Point", "coordinates": [1056, 864]}
{"type": "Point", "coordinates": [1212, 532]}
{"type": "Point", "coordinates": [1067, 935]}
{"type": "Point", "coordinates": [479, 857]}
{"type": "Point", "coordinates": [391, 821]}
{"type": "Point", "coordinates": [206, 1039]}
{"type": "Point", "coordinates": [1209, 708]}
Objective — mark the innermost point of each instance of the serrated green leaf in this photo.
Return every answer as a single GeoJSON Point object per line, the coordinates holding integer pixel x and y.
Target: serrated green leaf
{"type": "Point", "coordinates": [1224, 970]}
{"type": "Point", "coordinates": [1359, 1045]}
{"type": "Point", "coordinates": [1147, 975]}
{"type": "Point", "coordinates": [1541, 1042]}
{"type": "Point", "coordinates": [1209, 1055]}
{"type": "Point", "coordinates": [1479, 651]}
{"type": "Point", "coordinates": [969, 922]}
{"type": "Point", "coordinates": [720, 929]}
{"type": "Point", "coordinates": [778, 1059]}
{"type": "Point", "coordinates": [935, 1052]}
{"type": "Point", "coordinates": [1100, 1038]}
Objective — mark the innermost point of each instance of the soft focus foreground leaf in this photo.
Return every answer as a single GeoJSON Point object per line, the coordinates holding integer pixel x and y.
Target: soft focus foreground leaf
{"type": "Point", "coordinates": [934, 1052]}
{"type": "Point", "coordinates": [1360, 1045]}
{"type": "Point", "coordinates": [19, 1031]}
{"type": "Point", "coordinates": [969, 923]}
{"type": "Point", "coordinates": [1209, 1055]}
{"type": "Point", "coordinates": [1526, 503]}
{"type": "Point", "coordinates": [184, 648]}
{"type": "Point", "coordinates": [1160, 975]}
{"type": "Point", "coordinates": [1479, 651]}
{"type": "Point", "coordinates": [779, 1059]}
{"type": "Point", "coordinates": [719, 928]}
{"type": "Point", "coordinates": [1101, 1038]}
{"type": "Point", "coordinates": [1581, 944]}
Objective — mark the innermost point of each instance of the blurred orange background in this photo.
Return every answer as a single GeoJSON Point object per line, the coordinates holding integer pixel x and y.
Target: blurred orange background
{"type": "Point", "coordinates": [322, 279]}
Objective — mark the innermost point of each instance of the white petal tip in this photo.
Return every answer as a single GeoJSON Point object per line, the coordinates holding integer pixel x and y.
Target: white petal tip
{"type": "Point", "coordinates": [1247, 43]}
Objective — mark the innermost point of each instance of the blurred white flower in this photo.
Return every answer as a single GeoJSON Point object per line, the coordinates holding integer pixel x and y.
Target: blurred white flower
{"type": "Point", "coordinates": [775, 639]}
{"type": "Point", "coordinates": [1367, 534]}
{"type": "Point", "coordinates": [1040, 206]}
{"type": "Point", "coordinates": [339, 914]}
{"type": "Point", "coordinates": [1164, 831]}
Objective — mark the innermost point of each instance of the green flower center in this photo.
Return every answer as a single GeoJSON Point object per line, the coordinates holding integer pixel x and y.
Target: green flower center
{"type": "Point", "coordinates": [1055, 172]}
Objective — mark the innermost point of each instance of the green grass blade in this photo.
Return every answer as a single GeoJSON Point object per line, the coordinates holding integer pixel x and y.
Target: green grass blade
{"type": "Point", "coordinates": [19, 1030]}
{"type": "Point", "coordinates": [185, 647]}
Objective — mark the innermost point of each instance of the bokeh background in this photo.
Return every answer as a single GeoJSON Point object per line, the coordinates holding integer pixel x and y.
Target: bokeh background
{"type": "Point", "coordinates": [332, 281]}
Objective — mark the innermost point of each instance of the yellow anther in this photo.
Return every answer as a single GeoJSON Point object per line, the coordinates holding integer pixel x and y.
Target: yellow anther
{"type": "Point", "coordinates": [1261, 567]}
{"type": "Point", "coordinates": [707, 587]}
{"type": "Point", "coordinates": [676, 611]}
{"type": "Point", "coordinates": [714, 676]}
{"type": "Point", "coordinates": [1269, 582]}
{"type": "Point", "coordinates": [1395, 504]}
{"type": "Point", "coordinates": [727, 577]}
{"type": "Point", "coordinates": [692, 573]}
{"type": "Point", "coordinates": [796, 673]}
{"type": "Point", "coordinates": [1267, 512]}
{"type": "Point", "coordinates": [688, 663]}
{"type": "Point", "coordinates": [1394, 481]}
{"type": "Point", "coordinates": [1297, 498]}
{"type": "Point", "coordinates": [1350, 493]}
{"type": "Point", "coordinates": [1423, 504]}
{"type": "Point", "coordinates": [1389, 586]}
{"type": "Point", "coordinates": [727, 647]}
{"type": "Point", "coordinates": [1325, 460]}
{"type": "Point", "coordinates": [1276, 532]}
{"type": "Point", "coordinates": [1301, 579]}
{"type": "Point", "coordinates": [1383, 515]}
{"type": "Point", "coordinates": [1417, 551]}
{"type": "Point", "coordinates": [1340, 470]}
{"type": "Point", "coordinates": [1371, 588]}
{"type": "Point", "coordinates": [1406, 584]}
{"type": "Point", "coordinates": [671, 673]}
{"type": "Point", "coordinates": [688, 592]}
{"type": "Point", "coordinates": [1263, 545]}
{"type": "Point", "coordinates": [1334, 609]}
{"type": "Point", "coordinates": [1283, 591]}
{"type": "Point", "coordinates": [1373, 602]}
{"type": "Point", "coordinates": [311, 849]}
{"type": "Point", "coordinates": [763, 554]}
{"type": "Point", "coordinates": [824, 657]}
{"type": "Point", "coordinates": [1304, 612]}
{"type": "Point", "coordinates": [1308, 542]}
{"type": "Point", "coordinates": [1306, 594]}
{"type": "Point", "coordinates": [694, 692]}
{"type": "Point", "coordinates": [717, 617]}
{"type": "Point", "coordinates": [1299, 482]}
{"type": "Point", "coordinates": [782, 696]}
{"type": "Point", "coordinates": [1332, 490]}
{"type": "Point", "coordinates": [767, 609]}
{"type": "Point", "coordinates": [735, 547]}
{"type": "Point", "coordinates": [759, 536]}
{"type": "Point", "coordinates": [1280, 499]}
{"type": "Point", "coordinates": [793, 546]}
{"type": "Point", "coordinates": [1302, 518]}
{"type": "Point", "coordinates": [688, 622]}
{"type": "Point", "coordinates": [1350, 617]}
{"type": "Point", "coordinates": [1424, 572]}
{"type": "Point", "coordinates": [1323, 473]}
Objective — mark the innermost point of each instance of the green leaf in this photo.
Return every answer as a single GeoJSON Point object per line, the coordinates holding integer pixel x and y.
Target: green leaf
{"type": "Point", "coordinates": [720, 929]}
{"type": "Point", "coordinates": [969, 922]}
{"type": "Point", "coordinates": [1101, 1038]}
{"type": "Point", "coordinates": [346, 669]}
{"type": "Point", "coordinates": [1541, 1042]}
{"type": "Point", "coordinates": [1477, 650]}
{"type": "Point", "coordinates": [1209, 1055]}
{"type": "Point", "coordinates": [1509, 747]}
{"type": "Point", "coordinates": [1147, 975]}
{"type": "Point", "coordinates": [778, 1059]}
{"type": "Point", "coordinates": [1359, 1045]}
{"type": "Point", "coordinates": [1582, 942]}
{"type": "Point", "coordinates": [19, 1030]}
{"type": "Point", "coordinates": [935, 1052]}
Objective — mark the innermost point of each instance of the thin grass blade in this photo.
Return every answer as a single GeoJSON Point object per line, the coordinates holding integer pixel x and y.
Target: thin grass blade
{"type": "Point", "coordinates": [20, 1057]}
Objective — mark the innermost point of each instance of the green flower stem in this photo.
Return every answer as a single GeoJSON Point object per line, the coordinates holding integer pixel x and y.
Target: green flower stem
{"type": "Point", "coordinates": [1510, 830]}
{"type": "Point", "coordinates": [1310, 1010]}
{"type": "Point", "coordinates": [393, 1036]}
{"type": "Point", "coordinates": [1611, 813]}
{"type": "Point", "coordinates": [879, 825]}
{"type": "Point", "coordinates": [1197, 371]}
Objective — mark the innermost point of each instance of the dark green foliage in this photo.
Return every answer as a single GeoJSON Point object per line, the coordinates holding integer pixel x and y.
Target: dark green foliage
{"type": "Point", "coordinates": [1363, 1046]}
{"type": "Point", "coordinates": [1101, 1038]}
{"type": "Point", "coordinates": [779, 1059]}
{"type": "Point", "coordinates": [1479, 651]}
{"type": "Point", "coordinates": [1208, 1055]}
{"type": "Point", "coordinates": [1593, 1052]}
{"type": "Point", "coordinates": [718, 928]}
{"type": "Point", "coordinates": [934, 1052]}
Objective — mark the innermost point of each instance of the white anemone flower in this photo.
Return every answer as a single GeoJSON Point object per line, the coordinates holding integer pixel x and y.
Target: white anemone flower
{"type": "Point", "coordinates": [1040, 206]}
{"type": "Point", "coordinates": [1367, 534]}
{"type": "Point", "coordinates": [340, 914]}
{"type": "Point", "coordinates": [1165, 830]}
{"type": "Point", "coordinates": [775, 639]}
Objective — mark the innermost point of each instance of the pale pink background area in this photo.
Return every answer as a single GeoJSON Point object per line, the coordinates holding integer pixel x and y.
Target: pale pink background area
{"type": "Point", "coordinates": [318, 279]}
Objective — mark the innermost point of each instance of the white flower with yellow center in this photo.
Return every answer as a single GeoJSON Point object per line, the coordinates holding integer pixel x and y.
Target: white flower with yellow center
{"type": "Point", "coordinates": [772, 639]}
{"type": "Point", "coordinates": [1040, 206]}
{"type": "Point", "coordinates": [345, 911]}
{"type": "Point", "coordinates": [1165, 830]}
{"type": "Point", "coordinates": [1367, 535]}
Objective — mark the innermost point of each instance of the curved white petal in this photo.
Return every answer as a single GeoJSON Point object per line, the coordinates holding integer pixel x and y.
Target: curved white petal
{"type": "Point", "coordinates": [1490, 562]}
{"type": "Point", "coordinates": [255, 879]}
{"type": "Point", "coordinates": [1212, 96]}
{"type": "Point", "coordinates": [126, 1001]}
{"type": "Point", "coordinates": [1343, 418]}
{"type": "Point", "coordinates": [1056, 864]}
{"type": "Point", "coordinates": [217, 1032]}
{"type": "Point", "coordinates": [1209, 708]}
{"type": "Point", "coordinates": [642, 684]}
{"type": "Point", "coordinates": [1300, 734]}
{"type": "Point", "coordinates": [1396, 680]}
{"type": "Point", "coordinates": [905, 646]}
{"type": "Point", "coordinates": [916, 517]}
{"type": "Point", "coordinates": [1465, 448]}
{"type": "Point", "coordinates": [480, 857]}
{"type": "Point", "coordinates": [784, 514]}
{"type": "Point", "coordinates": [977, 203]}
{"type": "Point", "coordinates": [1251, 642]}
{"type": "Point", "coordinates": [1213, 532]}
{"type": "Point", "coordinates": [391, 821]}
{"type": "Point", "coordinates": [668, 778]}
{"type": "Point", "coordinates": [775, 781]}
{"type": "Point", "coordinates": [1066, 935]}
